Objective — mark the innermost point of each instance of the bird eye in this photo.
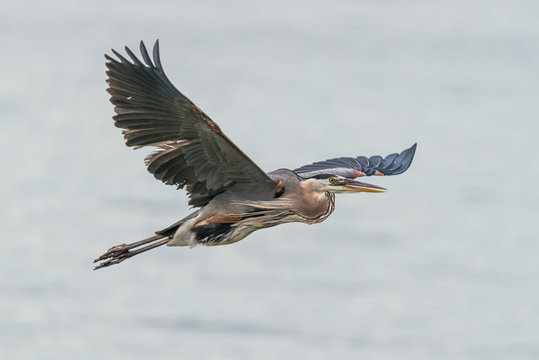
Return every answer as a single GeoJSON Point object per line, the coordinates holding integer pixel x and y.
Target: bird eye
{"type": "Point", "coordinates": [331, 180]}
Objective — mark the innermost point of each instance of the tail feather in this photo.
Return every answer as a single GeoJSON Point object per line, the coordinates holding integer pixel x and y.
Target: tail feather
{"type": "Point", "coordinates": [171, 230]}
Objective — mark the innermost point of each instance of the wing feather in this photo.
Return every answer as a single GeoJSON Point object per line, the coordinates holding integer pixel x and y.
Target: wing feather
{"type": "Point", "coordinates": [192, 151]}
{"type": "Point", "coordinates": [392, 164]}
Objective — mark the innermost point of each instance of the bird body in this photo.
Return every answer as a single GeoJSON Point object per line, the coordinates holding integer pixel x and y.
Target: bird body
{"type": "Point", "coordinates": [233, 196]}
{"type": "Point", "coordinates": [213, 225]}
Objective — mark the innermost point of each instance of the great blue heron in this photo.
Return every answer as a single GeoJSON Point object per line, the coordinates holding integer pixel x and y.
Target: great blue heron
{"type": "Point", "coordinates": [233, 195]}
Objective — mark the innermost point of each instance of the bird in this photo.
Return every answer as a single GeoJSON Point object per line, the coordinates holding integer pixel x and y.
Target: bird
{"type": "Point", "coordinates": [230, 194]}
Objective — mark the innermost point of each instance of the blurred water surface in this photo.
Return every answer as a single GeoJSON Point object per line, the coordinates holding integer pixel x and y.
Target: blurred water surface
{"type": "Point", "coordinates": [442, 266]}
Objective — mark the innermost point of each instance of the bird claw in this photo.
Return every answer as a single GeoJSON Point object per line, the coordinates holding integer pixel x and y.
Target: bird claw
{"type": "Point", "coordinates": [114, 255]}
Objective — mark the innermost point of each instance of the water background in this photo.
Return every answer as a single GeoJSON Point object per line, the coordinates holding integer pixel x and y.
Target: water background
{"type": "Point", "coordinates": [443, 266]}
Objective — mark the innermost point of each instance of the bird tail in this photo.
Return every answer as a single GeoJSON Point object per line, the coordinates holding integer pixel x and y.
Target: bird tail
{"type": "Point", "coordinates": [119, 253]}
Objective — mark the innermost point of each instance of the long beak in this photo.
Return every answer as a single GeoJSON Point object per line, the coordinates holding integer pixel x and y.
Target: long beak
{"type": "Point", "coordinates": [357, 186]}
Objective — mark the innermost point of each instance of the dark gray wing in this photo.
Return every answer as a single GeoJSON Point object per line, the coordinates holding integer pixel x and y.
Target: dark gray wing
{"type": "Point", "coordinates": [193, 152]}
{"type": "Point", "coordinates": [351, 167]}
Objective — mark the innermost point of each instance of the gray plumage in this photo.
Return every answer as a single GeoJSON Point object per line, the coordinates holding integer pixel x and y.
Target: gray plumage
{"type": "Point", "coordinates": [392, 164]}
{"type": "Point", "coordinates": [233, 195]}
{"type": "Point", "coordinates": [192, 151]}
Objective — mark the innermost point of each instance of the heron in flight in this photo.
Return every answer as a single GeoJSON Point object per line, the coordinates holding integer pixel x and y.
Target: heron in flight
{"type": "Point", "coordinates": [231, 195]}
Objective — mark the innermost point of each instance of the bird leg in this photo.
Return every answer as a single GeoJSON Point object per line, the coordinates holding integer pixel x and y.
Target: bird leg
{"type": "Point", "coordinates": [119, 253]}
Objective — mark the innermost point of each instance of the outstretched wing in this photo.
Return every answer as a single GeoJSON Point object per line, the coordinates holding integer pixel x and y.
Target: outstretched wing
{"type": "Point", "coordinates": [192, 151]}
{"type": "Point", "coordinates": [351, 167]}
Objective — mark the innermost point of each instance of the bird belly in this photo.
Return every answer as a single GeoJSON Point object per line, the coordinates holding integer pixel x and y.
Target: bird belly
{"type": "Point", "coordinates": [223, 229]}
{"type": "Point", "coordinates": [216, 230]}
{"type": "Point", "coordinates": [184, 236]}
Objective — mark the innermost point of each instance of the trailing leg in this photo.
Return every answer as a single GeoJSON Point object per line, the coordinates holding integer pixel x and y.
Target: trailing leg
{"type": "Point", "coordinates": [119, 253]}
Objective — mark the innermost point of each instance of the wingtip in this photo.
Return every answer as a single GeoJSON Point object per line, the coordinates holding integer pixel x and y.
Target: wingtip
{"type": "Point", "coordinates": [408, 157]}
{"type": "Point", "coordinates": [156, 57]}
{"type": "Point", "coordinates": [412, 148]}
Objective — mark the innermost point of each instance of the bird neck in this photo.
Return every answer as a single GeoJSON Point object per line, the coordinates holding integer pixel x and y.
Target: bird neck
{"type": "Point", "coordinates": [314, 204]}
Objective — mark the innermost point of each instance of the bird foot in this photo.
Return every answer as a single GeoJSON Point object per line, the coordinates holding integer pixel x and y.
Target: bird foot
{"type": "Point", "coordinates": [114, 255]}
{"type": "Point", "coordinates": [119, 253]}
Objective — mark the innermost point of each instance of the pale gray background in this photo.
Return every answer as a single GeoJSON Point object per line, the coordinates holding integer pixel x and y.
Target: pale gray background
{"type": "Point", "coordinates": [442, 266]}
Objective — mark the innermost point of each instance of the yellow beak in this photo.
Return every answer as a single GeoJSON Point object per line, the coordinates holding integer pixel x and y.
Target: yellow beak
{"type": "Point", "coordinates": [356, 186]}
